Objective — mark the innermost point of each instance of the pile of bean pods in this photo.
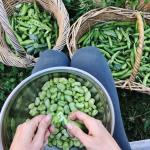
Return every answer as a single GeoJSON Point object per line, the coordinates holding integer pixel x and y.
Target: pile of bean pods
{"type": "Point", "coordinates": [144, 72]}
{"type": "Point", "coordinates": [33, 27]}
{"type": "Point", "coordinates": [61, 96]}
{"type": "Point", "coordinates": [116, 40]}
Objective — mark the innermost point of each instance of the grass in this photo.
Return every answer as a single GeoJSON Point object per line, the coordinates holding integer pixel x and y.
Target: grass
{"type": "Point", "coordinates": [135, 107]}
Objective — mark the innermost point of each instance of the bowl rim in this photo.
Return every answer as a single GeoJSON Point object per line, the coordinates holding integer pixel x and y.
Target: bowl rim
{"type": "Point", "coordinates": [41, 73]}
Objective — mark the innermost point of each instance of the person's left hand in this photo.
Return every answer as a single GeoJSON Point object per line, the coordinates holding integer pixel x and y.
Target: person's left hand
{"type": "Point", "coordinates": [33, 134]}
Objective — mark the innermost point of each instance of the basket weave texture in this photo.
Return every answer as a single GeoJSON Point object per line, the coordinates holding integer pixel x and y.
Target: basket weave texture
{"type": "Point", "coordinates": [95, 16]}
{"type": "Point", "coordinates": [22, 59]}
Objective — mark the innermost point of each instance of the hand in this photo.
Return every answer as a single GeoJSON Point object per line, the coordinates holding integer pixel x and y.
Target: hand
{"type": "Point", "coordinates": [33, 134]}
{"type": "Point", "coordinates": [97, 138]}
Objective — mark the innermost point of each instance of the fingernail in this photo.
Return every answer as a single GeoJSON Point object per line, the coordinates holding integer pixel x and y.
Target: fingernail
{"type": "Point", "coordinates": [69, 126]}
{"type": "Point", "coordinates": [48, 117]}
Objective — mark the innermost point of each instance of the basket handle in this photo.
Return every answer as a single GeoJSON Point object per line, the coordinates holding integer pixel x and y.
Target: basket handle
{"type": "Point", "coordinates": [8, 30]}
{"type": "Point", "coordinates": [140, 47]}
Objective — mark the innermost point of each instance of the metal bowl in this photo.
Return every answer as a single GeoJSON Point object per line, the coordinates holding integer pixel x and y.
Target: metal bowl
{"type": "Point", "coordinates": [15, 109]}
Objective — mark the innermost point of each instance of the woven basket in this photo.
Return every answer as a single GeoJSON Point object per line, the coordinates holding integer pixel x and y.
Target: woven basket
{"type": "Point", "coordinates": [95, 16]}
{"type": "Point", "coordinates": [22, 59]}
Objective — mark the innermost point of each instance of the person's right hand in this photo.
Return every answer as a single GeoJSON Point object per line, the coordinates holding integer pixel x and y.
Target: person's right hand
{"type": "Point", "coordinates": [97, 138]}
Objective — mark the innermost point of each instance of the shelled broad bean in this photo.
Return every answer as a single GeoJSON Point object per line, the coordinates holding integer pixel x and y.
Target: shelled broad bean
{"type": "Point", "coordinates": [34, 28]}
{"type": "Point", "coordinates": [144, 72]}
{"type": "Point", "coordinates": [61, 96]}
{"type": "Point", "coordinates": [117, 42]}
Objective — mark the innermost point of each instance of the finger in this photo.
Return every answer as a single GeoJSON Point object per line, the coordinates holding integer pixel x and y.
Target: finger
{"type": "Point", "coordinates": [34, 122]}
{"type": "Point", "coordinates": [47, 134]}
{"type": "Point", "coordinates": [78, 133]}
{"type": "Point", "coordinates": [84, 118]}
{"type": "Point", "coordinates": [28, 128]}
{"type": "Point", "coordinates": [39, 138]}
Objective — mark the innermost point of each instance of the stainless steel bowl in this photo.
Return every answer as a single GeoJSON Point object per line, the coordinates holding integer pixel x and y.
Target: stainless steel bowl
{"type": "Point", "coordinates": [15, 109]}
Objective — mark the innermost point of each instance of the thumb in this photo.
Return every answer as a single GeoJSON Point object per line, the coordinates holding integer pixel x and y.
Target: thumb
{"type": "Point", "coordinates": [78, 133]}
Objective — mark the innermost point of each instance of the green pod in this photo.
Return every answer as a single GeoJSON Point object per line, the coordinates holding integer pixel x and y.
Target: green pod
{"type": "Point", "coordinates": [91, 102]}
{"type": "Point", "coordinates": [146, 79]}
{"type": "Point", "coordinates": [36, 8]}
{"type": "Point", "coordinates": [78, 89]}
{"type": "Point", "coordinates": [61, 87]}
{"type": "Point", "coordinates": [59, 143]}
{"type": "Point", "coordinates": [56, 80]}
{"type": "Point", "coordinates": [61, 103]}
{"type": "Point", "coordinates": [81, 99]}
{"type": "Point", "coordinates": [27, 42]}
{"type": "Point", "coordinates": [41, 107]}
{"type": "Point", "coordinates": [88, 84]}
{"type": "Point", "coordinates": [85, 89]}
{"type": "Point", "coordinates": [58, 136]}
{"type": "Point", "coordinates": [32, 30]}
{"type": "Point", "coordinates": [23, 10]}
{"type": "Point", "coordinates": [66, 109]}
{"type": "Point", "coordinates": [94, 113]}
{"type": "Point", "coordinates": [43, 113]}
{"type": "Point", "coordinates": [125, 76]}
{"type": "Point", "coordinates": [65, 133]}
{"type": "Point", "coordinates": [54, 142]}
{"type": "Point", "coordinates": [63, 80]}
{"type": "Point", "coordinates": [7, 39]}
{"type": "Point", "coordinates": [87, 96]}
{"type": "Point", "coordinates": [113, 57]}
{"type": "Point", "coordinates": [24, 36]}
{"type": "Point", "coordinates": [53, 107]}
{"type": "Point", "coordinates": [86, 105]}
{"type": "Point", "coordinates": [60, 109]}
{"type": "Point", "coordinates": [33, 112]}
{"type": "Point", "coordinates": [79, 105]}
{"type": "Point", "coordinates": [119, 48]}
{"type": "Point", "coordinates": [71, 143]}
{"type": "Point", "coordinates": [97, 97]}
{"type": "Point", "coordinates": [76, 84]}
{"type": "Point", "coordinates": [76, 143]}
{"type": "Point", "coordinates": [71, 80]}
{"type": "Point", "coordinates": [119, 74]}
{"type": "Point", "coordinates": [93, 90]}
{"type": "Point", "coordinates": [62, 97]}
{"type": "Point", "coordinates": [68, 98]}
{"type": "Point", "coordinates": [42, 95]}
{"type": "Point", "coordinates": [48, 39]}
{"type": "Point", "coordinates": [31, 106]}
{"type": "Point", "coordinates": [124, 66]}
{"type": "Point", "coordinates": [53, 90]}
{"type": "Point", "coordinates": [65, 146]}
{"type": "Point", "coordinates": [68, 92]}
{"type": "Point", "coordinates": [31, 12]}
{"type": "Point", "coordinates": [37, 101]}
{"type": "Point", "coordinates": [18, 37]}
{"type": "Point", "coordinates": [47, 103]}
{"type": "Point", "coordinates": [48, 94]}
{"type": "Point", "coordinates": [54, 96]}
{"type": "Point", "coordinates": [72, 106]}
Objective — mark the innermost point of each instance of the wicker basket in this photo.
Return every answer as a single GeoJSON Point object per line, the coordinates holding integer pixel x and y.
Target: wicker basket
{"type": "Point", "coordinates": [22, 59]}
{"type": "Point", "coordinates": [110, 14]}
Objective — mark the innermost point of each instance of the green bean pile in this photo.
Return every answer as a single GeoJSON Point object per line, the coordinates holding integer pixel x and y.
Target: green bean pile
{"type": "Point", "coordinates": [61, 96]}
{"type": "Point", "coordinates": [116, 40]}
{"type": "Point", "coordinates": [33, 27]}
{"type": "Point", "coordinates": [144, 73]}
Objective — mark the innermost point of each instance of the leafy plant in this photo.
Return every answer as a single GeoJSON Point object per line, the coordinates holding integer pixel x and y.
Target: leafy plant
{"type": "Point", "coordinates": [9, 78]}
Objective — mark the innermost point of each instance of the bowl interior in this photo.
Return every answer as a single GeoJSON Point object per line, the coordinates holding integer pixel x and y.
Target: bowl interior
{"type": "Point", "coordinates": [16, 111]}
